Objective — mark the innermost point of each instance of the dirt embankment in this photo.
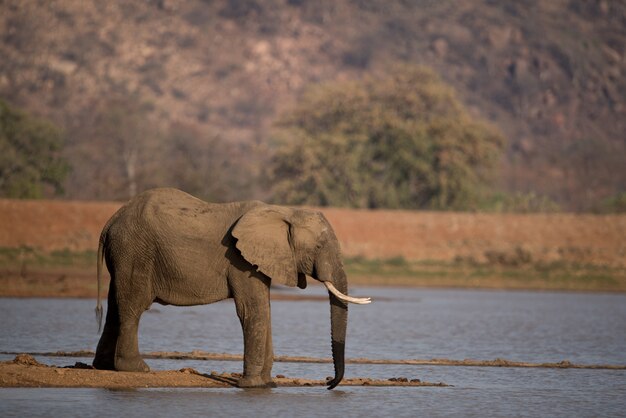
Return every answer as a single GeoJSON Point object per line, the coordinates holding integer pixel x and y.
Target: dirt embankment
{"type": "Point", "coordinates": [581, 239]}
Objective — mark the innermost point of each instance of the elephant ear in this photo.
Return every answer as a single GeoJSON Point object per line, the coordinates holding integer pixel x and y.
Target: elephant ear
{"type": "Point", "coordinates": [263, 238]}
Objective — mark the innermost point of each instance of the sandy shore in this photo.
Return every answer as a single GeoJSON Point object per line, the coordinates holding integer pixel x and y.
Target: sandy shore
{"type": "Point", "coordinates": [25, 371]}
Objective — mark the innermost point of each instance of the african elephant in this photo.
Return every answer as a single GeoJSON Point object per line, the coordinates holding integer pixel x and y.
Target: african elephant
{"type": "Point", "coordinates": [169, 247]}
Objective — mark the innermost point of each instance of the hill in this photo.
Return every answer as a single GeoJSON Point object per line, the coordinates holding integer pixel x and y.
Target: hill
{"type": "Point", "coordinates": [550, 75]}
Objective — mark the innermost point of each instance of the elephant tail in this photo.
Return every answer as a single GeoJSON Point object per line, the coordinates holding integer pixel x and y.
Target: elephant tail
{"type": "Point", "coordinates": [99, 309]}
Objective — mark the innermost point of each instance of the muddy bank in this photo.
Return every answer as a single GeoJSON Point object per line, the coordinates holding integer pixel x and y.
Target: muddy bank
{"type": "Point", "coordinates": [26, 371]}
{"type": "Point", "coordinates": [74, 282]}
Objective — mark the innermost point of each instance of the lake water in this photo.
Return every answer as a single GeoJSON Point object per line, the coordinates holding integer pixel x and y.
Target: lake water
{"type": "Point", "coordinates": [400, 324]}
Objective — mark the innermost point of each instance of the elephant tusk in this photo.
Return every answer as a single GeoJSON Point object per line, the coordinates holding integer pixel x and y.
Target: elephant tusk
{"type": "Point", "coordinates": [332, 289]}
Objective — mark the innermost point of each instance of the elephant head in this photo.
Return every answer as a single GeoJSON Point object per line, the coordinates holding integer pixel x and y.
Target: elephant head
{"type": "Point", "coordinates": [286, 245]}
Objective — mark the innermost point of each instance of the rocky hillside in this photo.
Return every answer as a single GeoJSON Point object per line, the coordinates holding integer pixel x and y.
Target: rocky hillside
{"type": "Point", "coordinates": [549, 74]}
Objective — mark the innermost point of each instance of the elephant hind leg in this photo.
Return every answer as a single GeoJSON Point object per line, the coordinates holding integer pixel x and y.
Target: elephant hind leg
{"type": "Point", "coordinates": [132, 302]}
{"type": "Point", "coordinates": [105, 353]}
{"type": "Point", "coordinates": [127, 357]}
{"type": "Point", "coordinates": [118, 348]}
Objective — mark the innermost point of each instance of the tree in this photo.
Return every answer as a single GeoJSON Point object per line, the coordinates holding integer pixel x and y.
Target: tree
{"type": "Point", "coordinates": [31, 165]}
{"type": "Point", "coordinates": [121, 148]}
{"type": "Point", "coordinates": [203, 165]}
{"type": "Point", "coordinates": [118, 148]}
{"type": "Point", "coordinates": [402, 140]}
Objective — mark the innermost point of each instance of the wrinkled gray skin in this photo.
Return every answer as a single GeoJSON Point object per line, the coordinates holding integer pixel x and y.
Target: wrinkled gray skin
{"type": "Point", "coordinates": [168, 247]}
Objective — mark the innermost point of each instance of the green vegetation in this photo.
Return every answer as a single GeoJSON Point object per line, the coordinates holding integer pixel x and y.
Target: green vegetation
{"type": "Point", "coordinates": [613, 204]}
{"type": "Point", "coordinates": [519, 203]}
{"type": "Point", "coordinates": [30, 160]}
{"type": "Point", "coordinates": [403, 140]}
{"type": "Point", "coordinates": [26, 272]}
{"type": "Point", "coordinates": [25, 257]}
{"type": "Point", "coordinates": [491, 274]}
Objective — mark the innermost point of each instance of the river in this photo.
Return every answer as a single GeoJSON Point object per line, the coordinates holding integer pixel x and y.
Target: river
{"type": "Point", "coordinates": [400, 324]}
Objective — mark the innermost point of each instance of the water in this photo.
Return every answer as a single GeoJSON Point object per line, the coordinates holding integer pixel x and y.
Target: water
{"type": "Point", "coordinates": [400, 324]}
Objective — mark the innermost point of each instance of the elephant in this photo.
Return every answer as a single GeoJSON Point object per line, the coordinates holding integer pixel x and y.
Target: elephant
{"type": "Point", "coordinates": [168, 247]}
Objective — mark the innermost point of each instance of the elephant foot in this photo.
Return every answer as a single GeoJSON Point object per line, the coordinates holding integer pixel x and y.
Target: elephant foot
{"type": "Point", "coordinates": [255, 382]}
{"type": "Point", "coordinates": [131, 364]}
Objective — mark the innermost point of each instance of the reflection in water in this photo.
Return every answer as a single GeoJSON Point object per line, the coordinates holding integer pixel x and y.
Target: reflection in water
{"type": "Point", "coordinates": [402, 323]}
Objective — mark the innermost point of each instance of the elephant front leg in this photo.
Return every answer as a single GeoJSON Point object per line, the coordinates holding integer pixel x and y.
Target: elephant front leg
{"type": "Point", "coordinates": [266, 372]}
{"type": "Point", "coordinates": [254, 315]}
{"type": "Point", "coordinates": [258, 355]}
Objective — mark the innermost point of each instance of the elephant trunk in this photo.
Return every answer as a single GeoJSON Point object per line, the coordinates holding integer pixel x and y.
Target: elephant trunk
{"type": "Point", "coordinates": [338, 325]}
{"type": "Point", "coordinates": [329, 270]}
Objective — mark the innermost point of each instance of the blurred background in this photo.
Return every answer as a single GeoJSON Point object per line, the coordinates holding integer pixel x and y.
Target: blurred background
{"type": "Point", "coordinates": [499, 125]}
{"type": "Point", "coordinates": [475, 105]}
